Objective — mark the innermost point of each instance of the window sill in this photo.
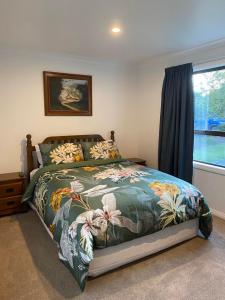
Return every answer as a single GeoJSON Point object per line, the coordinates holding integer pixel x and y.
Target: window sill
{"type": "Point", "coordinates": [209, 168]}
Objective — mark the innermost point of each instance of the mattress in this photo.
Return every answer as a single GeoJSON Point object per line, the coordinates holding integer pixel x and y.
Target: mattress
{"type": "Point", "coordinates": [115, 256]}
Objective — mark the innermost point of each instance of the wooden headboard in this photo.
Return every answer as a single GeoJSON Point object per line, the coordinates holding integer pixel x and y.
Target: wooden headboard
{"type": "Point", "coordinates": [61, 139]}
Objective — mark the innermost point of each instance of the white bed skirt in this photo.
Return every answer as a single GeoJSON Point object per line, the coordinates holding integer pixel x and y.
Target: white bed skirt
{"type": "Point", "coordinates": [115, 256]}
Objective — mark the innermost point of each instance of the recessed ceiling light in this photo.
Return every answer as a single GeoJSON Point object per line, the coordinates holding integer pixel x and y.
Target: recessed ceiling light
{"type": "Point", "coordinates": [115, 29]}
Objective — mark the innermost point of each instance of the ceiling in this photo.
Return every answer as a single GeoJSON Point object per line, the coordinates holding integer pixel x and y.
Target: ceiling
{"type": "Point", "coordinates": [82, 27]}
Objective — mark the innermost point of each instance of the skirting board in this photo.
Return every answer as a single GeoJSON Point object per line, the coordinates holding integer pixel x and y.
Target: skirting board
{"type": "Point", "coordinates": [218, 213]}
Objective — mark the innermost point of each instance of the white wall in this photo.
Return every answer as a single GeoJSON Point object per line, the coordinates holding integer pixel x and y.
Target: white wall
{"type": "Point", "coordinates": [22, 104]}
{"type": "Point", "coordinates": [213, 186]}
{"type": "Point", "coordinates": [150, 75]}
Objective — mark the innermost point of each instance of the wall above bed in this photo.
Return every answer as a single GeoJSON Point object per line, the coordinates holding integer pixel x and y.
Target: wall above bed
{"type": "Point", "coordinates": [22, 103]}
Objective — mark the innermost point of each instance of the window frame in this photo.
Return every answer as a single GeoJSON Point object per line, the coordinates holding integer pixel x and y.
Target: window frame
{"type": "Point", "coordinates": [209, 132]}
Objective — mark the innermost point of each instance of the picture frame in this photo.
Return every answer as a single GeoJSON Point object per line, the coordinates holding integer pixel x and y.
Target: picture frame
{"type": "Point", "coordinates": [67, 94]}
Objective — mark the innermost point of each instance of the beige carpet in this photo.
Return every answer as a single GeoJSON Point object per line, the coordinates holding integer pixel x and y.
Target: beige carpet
{"type": "Point", "coordinates": [30, 269]}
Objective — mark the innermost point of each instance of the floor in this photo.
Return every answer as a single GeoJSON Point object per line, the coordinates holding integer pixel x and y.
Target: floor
{"type": "Point", "coordinates": [30, 269]}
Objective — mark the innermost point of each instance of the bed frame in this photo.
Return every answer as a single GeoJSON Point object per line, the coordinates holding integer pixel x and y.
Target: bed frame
{"type": "Point", "coordinates": [61, 139]}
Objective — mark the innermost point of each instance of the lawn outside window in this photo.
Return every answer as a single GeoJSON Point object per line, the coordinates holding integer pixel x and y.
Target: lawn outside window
{"type": "Point", "coordinates": [209, 122]}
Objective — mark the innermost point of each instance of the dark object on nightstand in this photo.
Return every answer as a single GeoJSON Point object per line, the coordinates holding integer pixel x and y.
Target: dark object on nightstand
{"type": "Point", "coordinates": [12, 186]}
{"type": "Point", "coordinates": [138, 161]}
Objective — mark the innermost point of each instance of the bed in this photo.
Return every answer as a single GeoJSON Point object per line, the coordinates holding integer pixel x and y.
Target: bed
{"type": "Point", "coordinates": [105, 213]}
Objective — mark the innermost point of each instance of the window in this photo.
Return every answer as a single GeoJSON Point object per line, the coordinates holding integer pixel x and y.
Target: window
{"type": "Point", "coordinates": [209, 123]}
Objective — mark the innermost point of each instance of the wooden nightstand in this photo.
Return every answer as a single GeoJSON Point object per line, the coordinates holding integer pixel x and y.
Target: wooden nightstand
{"type": "Point", "coordinates": [138, 161]}
{"type": "Point", "coordinates": [12, 186]}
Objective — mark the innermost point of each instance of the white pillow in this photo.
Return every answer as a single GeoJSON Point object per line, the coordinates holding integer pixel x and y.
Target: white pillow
{"type": "Point", "coordinates": [33, 172]}
{"type": "Point", "coordinates": [39, 157]}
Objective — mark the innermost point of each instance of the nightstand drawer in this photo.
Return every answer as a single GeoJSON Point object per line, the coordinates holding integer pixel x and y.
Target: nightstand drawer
{"type": "Point", "coordinates": [10, 202]}
{"type": "Point", "coordinates": [11, 189]}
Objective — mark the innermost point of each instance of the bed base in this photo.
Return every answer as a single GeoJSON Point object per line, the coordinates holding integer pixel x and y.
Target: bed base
{"type": "Point", "coordinates": [111, 258]}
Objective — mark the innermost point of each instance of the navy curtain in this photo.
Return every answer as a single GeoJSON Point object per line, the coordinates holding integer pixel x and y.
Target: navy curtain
{"type": "Point", "coordinates": [176, 132]}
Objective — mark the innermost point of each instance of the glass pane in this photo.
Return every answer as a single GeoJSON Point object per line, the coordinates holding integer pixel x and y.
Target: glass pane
{"type": "Point", "coordinates": [209, 91]}
{"type": "Point", "coordinates": [209, 149]}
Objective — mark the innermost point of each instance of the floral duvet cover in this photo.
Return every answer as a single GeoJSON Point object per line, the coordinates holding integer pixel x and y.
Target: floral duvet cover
{"type": "Point", "coordinates": [96, 204]}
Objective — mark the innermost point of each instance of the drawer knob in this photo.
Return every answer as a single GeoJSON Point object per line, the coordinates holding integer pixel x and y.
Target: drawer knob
{"type": "Point", "coordinates": [9, 190]}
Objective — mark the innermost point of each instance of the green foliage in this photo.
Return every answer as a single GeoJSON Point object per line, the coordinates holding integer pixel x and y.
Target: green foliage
{"type": "Point", "coordinates": [221, 127]}
{"type": "Point", "coordinates": [210, 102]}
{"type": "Point", "coordinates": [217, 103]}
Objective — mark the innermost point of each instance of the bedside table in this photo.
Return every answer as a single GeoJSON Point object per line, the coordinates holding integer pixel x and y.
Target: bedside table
{"type": "Point", "coordinates": [12, 186]}
{"type": "Point", "coordinates": [138, 161]}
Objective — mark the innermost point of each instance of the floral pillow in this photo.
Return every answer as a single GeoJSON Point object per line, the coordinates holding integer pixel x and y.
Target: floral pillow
{"type": "Point", "coordinates": [59, 153]}
{"type": "Point", "coordinates": [100, 150]}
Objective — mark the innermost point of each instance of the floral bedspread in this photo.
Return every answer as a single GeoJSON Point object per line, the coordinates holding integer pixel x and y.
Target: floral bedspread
{"type": "Point", "coordinates": [95, 204]}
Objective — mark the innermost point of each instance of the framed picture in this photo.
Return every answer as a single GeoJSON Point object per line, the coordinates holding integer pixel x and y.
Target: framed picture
{"type": "Point", "coordinates": [67, 94]}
